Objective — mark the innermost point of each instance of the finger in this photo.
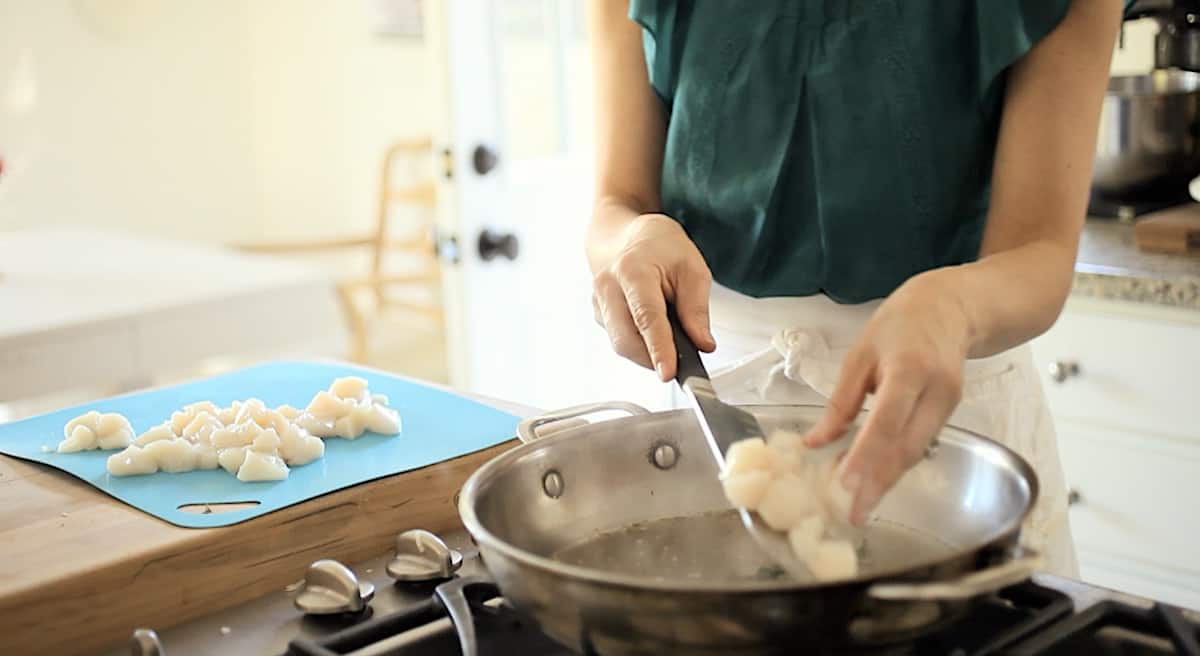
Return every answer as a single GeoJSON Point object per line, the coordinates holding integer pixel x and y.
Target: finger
{"type": "Point", "coordinates": [854, 381]}
{"type": "Point", "coordinates": [928, 416]}
{"type": "Point", "coordinates": [618, 322]}
{"type": "Point", "coordinates": [648, 308]}
{"type": "Point", "coordinates": [691, 303]}
{"type": "Point", "coordinates": [876, 459]}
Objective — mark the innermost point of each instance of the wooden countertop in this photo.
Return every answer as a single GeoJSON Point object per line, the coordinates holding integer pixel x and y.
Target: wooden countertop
{"type": "Point", "coordinates": [80, 570]}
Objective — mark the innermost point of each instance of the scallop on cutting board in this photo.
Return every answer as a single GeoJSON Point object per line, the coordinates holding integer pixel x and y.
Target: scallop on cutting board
{"type": "Point", "coordinates": [85, 558]}
{"type": "Point", "coordinates": [435, 425]}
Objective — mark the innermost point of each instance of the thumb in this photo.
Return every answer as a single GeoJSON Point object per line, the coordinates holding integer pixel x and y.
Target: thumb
{"type": "Point", "coordinates": [691, 303]}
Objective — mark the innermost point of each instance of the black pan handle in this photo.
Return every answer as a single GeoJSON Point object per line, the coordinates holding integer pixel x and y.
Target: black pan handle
{"type": "Point", "coordinates": [687, 357]}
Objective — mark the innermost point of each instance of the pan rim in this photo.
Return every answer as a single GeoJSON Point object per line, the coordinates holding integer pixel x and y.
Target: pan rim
{"type": "Point", "coordinates": [490, 470]}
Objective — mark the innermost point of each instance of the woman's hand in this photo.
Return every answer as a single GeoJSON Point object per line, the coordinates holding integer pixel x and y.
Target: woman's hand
{"type": "Point", "coordinates": [657, 264]}
{"type": "Point", "coordinates": [910, 356]}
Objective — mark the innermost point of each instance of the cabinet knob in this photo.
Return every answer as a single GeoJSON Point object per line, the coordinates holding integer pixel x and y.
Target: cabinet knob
{"type": "Point", "coordinates": [1073, 497]}
{"type": "Point", "coordinates": [1061, 370]}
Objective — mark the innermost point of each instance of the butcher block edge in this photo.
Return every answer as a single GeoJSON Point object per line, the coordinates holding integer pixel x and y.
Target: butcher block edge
{"type": "Point", "coordinates": [79, 571]}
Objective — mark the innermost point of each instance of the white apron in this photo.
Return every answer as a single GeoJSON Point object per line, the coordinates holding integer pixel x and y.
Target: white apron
{"type": "Point", "coordinates": [789, 350]}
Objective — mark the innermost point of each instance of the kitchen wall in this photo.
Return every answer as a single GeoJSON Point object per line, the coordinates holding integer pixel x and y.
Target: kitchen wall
{"type": "Point", "coordinates": [217, 120]}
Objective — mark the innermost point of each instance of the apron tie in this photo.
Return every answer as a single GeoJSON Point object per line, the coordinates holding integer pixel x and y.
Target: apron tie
{"type": "Point", "coordinates": [806, 359]}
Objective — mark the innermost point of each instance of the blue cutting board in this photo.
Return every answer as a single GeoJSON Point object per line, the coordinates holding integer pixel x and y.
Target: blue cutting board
{"type": "Point", "coordinates": [436, 425]}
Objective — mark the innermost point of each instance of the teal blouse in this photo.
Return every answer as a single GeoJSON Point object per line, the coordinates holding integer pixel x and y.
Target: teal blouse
{"type": "Point", "coordinates": [835, 146]}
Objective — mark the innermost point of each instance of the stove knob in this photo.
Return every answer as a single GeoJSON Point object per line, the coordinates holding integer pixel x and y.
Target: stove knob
{"type": "Point", "coordinates": [145, 642]}
{"type": "Point", "coordinates": [331, 588]}
{"type": "Point", "coordinates": [423, 556]}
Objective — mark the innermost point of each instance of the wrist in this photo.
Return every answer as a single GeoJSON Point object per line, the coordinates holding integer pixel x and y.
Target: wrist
{"type": "Point", "coordinates": [944, 291]}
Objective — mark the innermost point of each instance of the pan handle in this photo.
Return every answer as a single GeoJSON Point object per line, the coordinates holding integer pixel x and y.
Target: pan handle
{"type": "Point", "coordinates": [1015, 570]}
{"type": "Point", "coordinates": [527, 429]}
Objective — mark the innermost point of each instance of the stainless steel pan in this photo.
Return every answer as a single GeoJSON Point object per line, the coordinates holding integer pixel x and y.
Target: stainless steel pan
{"type": "Point", "coordinates": [615, 536]}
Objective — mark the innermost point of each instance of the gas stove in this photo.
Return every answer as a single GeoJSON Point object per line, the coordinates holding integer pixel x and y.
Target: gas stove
{"type": "Point", "coordinates": [435, 597]}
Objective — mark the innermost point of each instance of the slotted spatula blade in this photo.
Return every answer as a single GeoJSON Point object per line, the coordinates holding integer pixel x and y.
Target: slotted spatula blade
{"type": "Point", "coordinates": [722, 425]}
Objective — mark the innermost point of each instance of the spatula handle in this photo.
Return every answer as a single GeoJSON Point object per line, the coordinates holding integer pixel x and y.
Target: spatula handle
{"type": "Point", "coordinates": [688, 363]}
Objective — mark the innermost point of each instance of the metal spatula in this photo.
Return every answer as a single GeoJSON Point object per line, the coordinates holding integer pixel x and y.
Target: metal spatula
{"type": "Point", "coordinates": [724, 424]}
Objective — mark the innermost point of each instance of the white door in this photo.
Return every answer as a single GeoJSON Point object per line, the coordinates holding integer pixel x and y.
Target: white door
{"type": "Point", "coordinates": [518, 88]}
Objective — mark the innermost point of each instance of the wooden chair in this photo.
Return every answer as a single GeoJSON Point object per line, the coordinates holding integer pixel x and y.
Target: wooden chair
{"type": "Point", "coordinates": [365, 296]}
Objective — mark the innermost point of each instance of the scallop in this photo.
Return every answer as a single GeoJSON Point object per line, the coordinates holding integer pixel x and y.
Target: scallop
{"type": "Point", "coordinates": [350, 426]}
{"type": "Point", "coordinates": [267, 441]}
{"type": "Point", "coordinates": [88, 419]}
{"type": "Point", "coordinates": [806, 536]}
{"type": "Point", "coordinates": [834, 559]}
{"type": "Point", "coordinates": [81, 438]}
{"type": "Point", "coordinates": [275, 421]}
{"type": "Point", "coordinates": [382, 420]}
{"type": "Point", "coordinates": [206, 456]}
{"type": "Point", "coordinates": [746, 490]}
{"type": "Point", "coordinates": [262, 467]}
{"type": "Point", "coordinates": [787, 501]}
{"type": "Point", "coordinates": [156, 433]}
{"type": "Point", "coordinates": [288, 412]}
{"type": "Point", "coordinates": [203, 422]}
{"type": "Point", "coordinates": [180, 419]}
{"type": "Point", "coordinates": [297, 447]}
{"type": "Point", "coordinates": [229, 415]}
{"type": "Point", "coordinates": [319, 426]}
{"type": "Point", "coordinates": [231, 459]}
{"type": "Point", "coordinates": [235, 435]}
{"type": "Point", "coordinates": [250, 410]}
{"type": "Point", "coordinates": [349, 387]}
{"type": "Point", "coordinates": [255, 442]}
{"type": "Point", "coordinates": [747, 455]}
{"type": "Point", "coordinates": [131, 462]}
{"type": "Point", "coordinates": [785, 440]}
{"type": "Point", "coordinates": [114, 434]}
{"type": "Point", "coordinates": [172, 456]}
{"type": "Point", "coordinates": [325, 404]}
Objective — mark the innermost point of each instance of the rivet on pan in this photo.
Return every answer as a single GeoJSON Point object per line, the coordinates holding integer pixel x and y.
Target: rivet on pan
{"type": "Point", "coordinates": [664, 456]}
{"type": "Point", "coordinates": [552, 484]}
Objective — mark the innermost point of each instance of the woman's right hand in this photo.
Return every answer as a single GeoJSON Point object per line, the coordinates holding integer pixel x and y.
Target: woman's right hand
{"type": "Point", "coordinates": [657, 264]}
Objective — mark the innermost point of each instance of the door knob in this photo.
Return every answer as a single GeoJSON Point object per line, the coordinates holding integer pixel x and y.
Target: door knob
{"type": "Point", "coordinates": [492, 245]}
{"type": "Point", "coordinates": [1061, 370]}
{"type": "Point", "coordinates": [484, 159]}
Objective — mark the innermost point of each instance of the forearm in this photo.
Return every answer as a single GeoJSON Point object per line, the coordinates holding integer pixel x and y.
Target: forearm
{"type": "Point", "coordinates": [630, 131]}
{"type": "Point", "coordinates": [1041, 176]}
{"type": "Point", "coordinates": [1007, 298]}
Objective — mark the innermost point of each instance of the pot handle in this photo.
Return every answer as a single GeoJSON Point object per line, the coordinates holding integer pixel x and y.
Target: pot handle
{"type": "Point", "coordinates": [1015, 570]}
{"type": "Point", "coordinates": [527, 429]}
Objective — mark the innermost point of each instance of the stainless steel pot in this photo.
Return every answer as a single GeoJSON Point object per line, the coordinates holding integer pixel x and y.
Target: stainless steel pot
{"type": "Point", "coordinates": [1149, 138]}
{"type": "Point", "coordinates": [616, 538]}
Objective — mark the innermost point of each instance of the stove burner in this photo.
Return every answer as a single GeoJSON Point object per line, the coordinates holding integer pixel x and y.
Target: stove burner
{"type": "Point", "coordinates": [1118, 629]}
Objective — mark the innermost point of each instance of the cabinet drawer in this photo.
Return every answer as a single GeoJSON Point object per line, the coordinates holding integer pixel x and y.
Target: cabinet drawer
{"type": "Point", "coordinates": [1136, 497]}
{"type": "Point", "coordinates": [1137, 374]}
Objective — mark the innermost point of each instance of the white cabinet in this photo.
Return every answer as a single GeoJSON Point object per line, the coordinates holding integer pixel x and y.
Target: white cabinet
{"type": "Point", "coordinates": [1126, 401]}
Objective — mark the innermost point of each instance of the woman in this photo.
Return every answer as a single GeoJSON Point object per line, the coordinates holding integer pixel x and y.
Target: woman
{"type": "Point", "coordinates": [877, 202]}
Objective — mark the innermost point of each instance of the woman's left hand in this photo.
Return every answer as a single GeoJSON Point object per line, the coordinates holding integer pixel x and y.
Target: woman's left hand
{"type": "Point", "coordinates": [910, 356]}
